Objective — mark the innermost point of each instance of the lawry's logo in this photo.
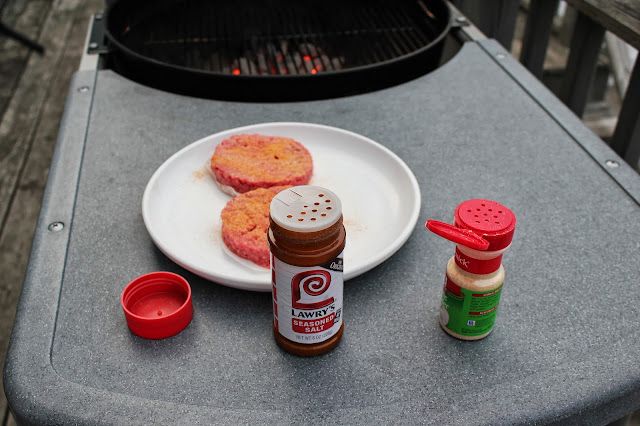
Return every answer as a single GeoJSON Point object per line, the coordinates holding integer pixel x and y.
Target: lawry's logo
{"type": "Point", "coordinates": [308, 289]}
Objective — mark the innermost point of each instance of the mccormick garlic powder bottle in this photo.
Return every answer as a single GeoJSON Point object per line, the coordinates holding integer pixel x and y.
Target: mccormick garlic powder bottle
{"type": "Point", "coordinates": [306, 239]}
{"type": "Point", "coordinates": [483, 231]}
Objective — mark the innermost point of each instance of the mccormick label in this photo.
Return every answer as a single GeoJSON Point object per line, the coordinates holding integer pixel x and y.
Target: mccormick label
{"type": "Point", "coordinates": [307, 301]}
{"type": "Point", "coordinates": [466, 312]}
{"type": "Point", "coordinates": [477, 266]}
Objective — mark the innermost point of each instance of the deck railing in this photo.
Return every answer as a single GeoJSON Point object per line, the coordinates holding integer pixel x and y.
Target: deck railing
{"type": "Point", "coordinates": [593, 19]}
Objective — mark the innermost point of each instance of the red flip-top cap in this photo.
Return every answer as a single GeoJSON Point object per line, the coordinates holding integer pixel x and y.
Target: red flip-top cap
{"type": "Point", "coordinates": [491, 220]}
{"type": "Point", "coordinates": [457, 235]}
{"type": "Point", "coordinates": [157, 305]}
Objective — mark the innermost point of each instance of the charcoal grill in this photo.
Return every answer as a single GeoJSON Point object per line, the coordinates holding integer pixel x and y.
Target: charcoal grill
{"type": "Point", "coordinates": [275, 50]}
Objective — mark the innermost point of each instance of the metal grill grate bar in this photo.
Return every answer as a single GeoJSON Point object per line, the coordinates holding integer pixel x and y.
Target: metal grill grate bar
{"type": "Point", "coordinates": [282, 41]}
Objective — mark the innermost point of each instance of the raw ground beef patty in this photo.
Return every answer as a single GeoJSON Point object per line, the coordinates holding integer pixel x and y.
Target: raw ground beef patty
{"type": "Point", "coordinates": [246, 162]}
{"type": "Point", "coordinates": [245, 220]}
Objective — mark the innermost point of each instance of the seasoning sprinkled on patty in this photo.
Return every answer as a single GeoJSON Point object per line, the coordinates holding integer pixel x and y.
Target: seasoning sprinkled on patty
{"type": "Point", "coordinates": [245, 162]}
{"type": "Point", "coordinates": [245, 220]}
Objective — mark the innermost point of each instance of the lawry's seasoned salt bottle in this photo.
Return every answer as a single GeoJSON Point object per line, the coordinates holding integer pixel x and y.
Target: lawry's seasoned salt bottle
{"type": "Point", "coordinates": [483, 231]}
{"type": "Point", "coordinates": [306, 239]}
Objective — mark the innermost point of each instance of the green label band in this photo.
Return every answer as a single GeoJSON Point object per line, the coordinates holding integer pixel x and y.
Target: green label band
{"type": "Point", "coordinates": [466, 312]}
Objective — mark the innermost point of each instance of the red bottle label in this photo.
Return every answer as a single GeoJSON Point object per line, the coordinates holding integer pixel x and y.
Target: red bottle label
{"type": "Point", "coordinates": [477, 266]}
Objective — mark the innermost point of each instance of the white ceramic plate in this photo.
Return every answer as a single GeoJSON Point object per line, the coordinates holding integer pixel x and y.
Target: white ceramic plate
{"type": "Point", "coordinates": [379, 193]}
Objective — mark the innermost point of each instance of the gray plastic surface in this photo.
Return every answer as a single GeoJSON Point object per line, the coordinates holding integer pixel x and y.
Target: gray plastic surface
{"type": "Point", "coordinates": [565, 346]}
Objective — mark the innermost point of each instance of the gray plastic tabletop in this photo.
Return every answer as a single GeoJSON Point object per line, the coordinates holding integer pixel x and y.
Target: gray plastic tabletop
{"type": "Point", "coordinates": [565, 346]}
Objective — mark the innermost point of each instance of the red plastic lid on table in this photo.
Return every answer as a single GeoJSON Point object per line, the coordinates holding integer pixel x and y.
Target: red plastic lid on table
{"type": "Point", "coordinates": [157, 305]}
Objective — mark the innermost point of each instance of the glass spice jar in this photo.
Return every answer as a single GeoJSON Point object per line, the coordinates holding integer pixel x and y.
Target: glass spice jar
{"type": "Point", "coordinates": [483, 231]}
{"type": "Point", "coordinates": [306, 238]}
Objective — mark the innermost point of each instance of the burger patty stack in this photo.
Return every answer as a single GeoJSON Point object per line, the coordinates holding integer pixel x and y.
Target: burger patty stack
{"type": "Point", "coordinates": [253, 169]}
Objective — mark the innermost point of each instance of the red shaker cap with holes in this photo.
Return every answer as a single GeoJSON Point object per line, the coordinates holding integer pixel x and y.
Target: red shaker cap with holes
{"type": "Point", "coordinates": [491, 220]}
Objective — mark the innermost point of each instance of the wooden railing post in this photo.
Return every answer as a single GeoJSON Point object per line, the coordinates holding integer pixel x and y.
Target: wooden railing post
{"type": "Point", "coordinates": [586, 44]}
{"type": "Point", "coordinates": [626, 138]}
{"type": "Point", "coordinates": [536, 35]}
{"type": "Point", "coordinates": [495, 18]}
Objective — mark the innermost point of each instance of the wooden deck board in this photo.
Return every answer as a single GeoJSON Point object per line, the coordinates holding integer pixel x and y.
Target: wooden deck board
{"type": "Point", "coordinates": [26, 18]}
{"type": "Point", "coordinates": [28, 132]}
{"type": "Point", "coordinates": [14, 61]}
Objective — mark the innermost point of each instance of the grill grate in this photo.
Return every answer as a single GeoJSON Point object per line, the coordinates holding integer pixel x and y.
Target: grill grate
{"type": "Point", "coordinates": [260, 39]}
{"type": "Point", "coordinates": [275, 50]}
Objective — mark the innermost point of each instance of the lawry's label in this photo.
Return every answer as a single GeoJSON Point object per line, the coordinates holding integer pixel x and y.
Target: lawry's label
{"type": "Point", "coordinates": [307, 301]}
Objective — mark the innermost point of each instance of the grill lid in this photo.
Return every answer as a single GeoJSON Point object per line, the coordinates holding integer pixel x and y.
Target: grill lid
{"type": "Point", "coordinates": [275, 50]}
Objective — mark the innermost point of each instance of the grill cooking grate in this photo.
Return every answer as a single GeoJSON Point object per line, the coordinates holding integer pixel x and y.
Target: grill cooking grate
{"type": "Point", "coordinates": [275, 50]}
{"type": "Point", "coordinates": [286, 40]}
